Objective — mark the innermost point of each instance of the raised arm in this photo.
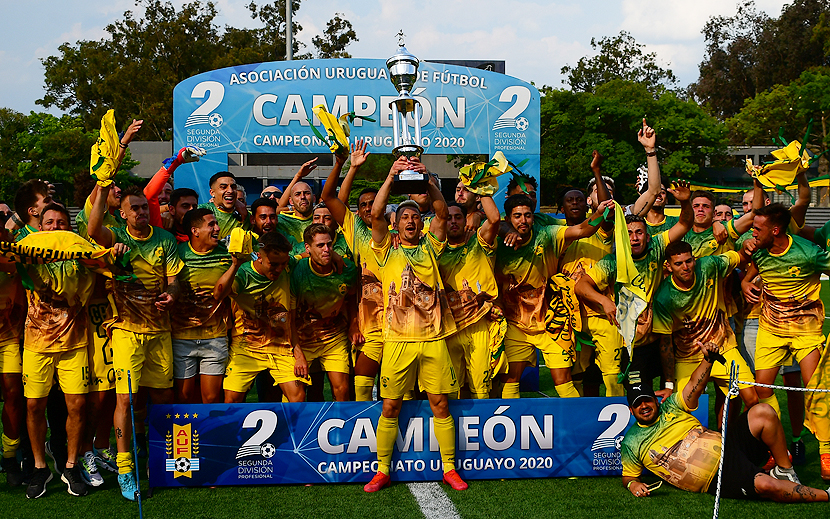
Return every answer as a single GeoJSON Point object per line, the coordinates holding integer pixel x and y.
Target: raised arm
{"type": "Point", "coordinates": [337, 207]}
{"type": "Point", "coordinates": [304, 170]}
{"type": "Point", "coordinates": [95, 226]}
{"type": "Point", "coordinates": [589, 226]}
{"type": "Point", "coordinates": [603, 193]}
{"type": "Point", "coordinates": [680, 191]}
{"type": "Point", "coordinates": [648, 138]}
{"type": "Point", "coordinates": [379, 226]}
{"type": "Point", "coordinates": [224, 285]}
{"type": "Point", "coordinates": [127, 138]}
{"type": "Point", "coordinates": [438, 224]}
{"type": "Point", "coordinates": [799, 209]}
{"type": "Point", "coordinates": [358, 157]}
{"type": "Point", "coordinates": [489, 230]}
{"type": "Point", "coordinates": [697, 383]}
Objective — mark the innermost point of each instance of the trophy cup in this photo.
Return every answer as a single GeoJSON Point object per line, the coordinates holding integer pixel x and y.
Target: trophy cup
{"type": "Point", "coordinates": [403, 72]}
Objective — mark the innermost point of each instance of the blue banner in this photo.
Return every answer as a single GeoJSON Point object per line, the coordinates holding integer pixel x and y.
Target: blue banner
{"type": "Point", "coordinates": [266, 444]}
{"type": "Point", "coordinates": [266, 107]}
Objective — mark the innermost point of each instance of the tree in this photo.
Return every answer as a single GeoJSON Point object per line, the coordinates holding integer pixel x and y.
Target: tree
{"type": "Point", "coordinates": [750, 52]}
{"type": "Point", "coordinates": [338, 34]}
{"type": "Point", "coordinates": [135, 68]}
{"type": "Point", "coordinates": [575, 123]}
{"type": "Point", "coordinates": [620, 57]}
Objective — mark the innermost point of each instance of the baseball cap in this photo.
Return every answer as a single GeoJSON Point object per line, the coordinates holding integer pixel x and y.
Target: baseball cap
{"type": "Point", "coordinates": [407, 203]}
{"type": "Point", "coordinates": [638, 391]}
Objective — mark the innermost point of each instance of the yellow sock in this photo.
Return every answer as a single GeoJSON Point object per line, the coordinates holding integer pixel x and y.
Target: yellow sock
{"type": "Point", "coordinates": [511, 390]}
{"type": "Point", "coordinates": [567, 390]}
{"type": "Point", "coordinates": [771, 400]}
{"type": "Point", "coordinates": [124, 460]}
{"type": "Point", "coordinates": [363, 388]}
{"type": "Point", "coordinates": [10, 446]}
{"type": "Point", "coordinates": [445, 434]}
{"type": "Point", "coordinates": [387, 434]}
{"type": "Point", "coordinates": [612, 387]}
{"type": "Point", "coordinates": [824, 448]}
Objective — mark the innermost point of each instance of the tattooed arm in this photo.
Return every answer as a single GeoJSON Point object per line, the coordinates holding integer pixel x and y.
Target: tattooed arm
{"type": "Point", "coordinates": [667, 362]}
{"type": "Point", "coordinates": [697, 383]}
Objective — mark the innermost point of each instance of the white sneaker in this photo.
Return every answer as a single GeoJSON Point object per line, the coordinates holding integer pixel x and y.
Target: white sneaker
{"type": "Point", "coordinates": [89, 471]}
{"type": "Point", "coordinates": [784, 474]}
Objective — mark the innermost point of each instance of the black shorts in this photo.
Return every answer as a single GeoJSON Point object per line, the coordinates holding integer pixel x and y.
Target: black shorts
{"type": "Point", "coordinates": [646, 361]}
{"type": "Point", "coordinates": [744, 457]}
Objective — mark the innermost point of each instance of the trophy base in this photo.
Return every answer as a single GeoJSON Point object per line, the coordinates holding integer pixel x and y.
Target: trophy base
{"type": "Point", "coordinates": [410, 182]}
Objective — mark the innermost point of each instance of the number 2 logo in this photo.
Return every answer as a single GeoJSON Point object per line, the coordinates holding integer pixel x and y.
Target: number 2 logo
{"type": "Point", "coordinates": [215, 94]}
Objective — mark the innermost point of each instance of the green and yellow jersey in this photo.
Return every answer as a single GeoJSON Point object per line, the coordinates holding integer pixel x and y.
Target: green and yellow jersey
{"type": "Point", "coordinates": [657, 228]}
{"type": "Point", "coordinates": [197, 314]}
{"type": "Point", "coordinates": [321, 314]}
{"type": "Point", "coordinates": [227, 221]}
{"type": "Point", "coordinates": [699, 313]}
{"type": "Point", "coordinates": [260, 308]}
{"type": "Point", "coordinates": [358, 237]}
{"type": "Point", "coordinates": [704, 243]}
{"type": "Point", "coordinates": [57, 320]}
{"type": "Point", "coordinates": [12, 308]}
{"type": "Point", "coordinates": [822, 236]}
{"type": "Point", "coordinates": [467, 271]}
{"type": "Point", "coordinates": [649, 277]}
{"type": "Point", "coordinates": [416, 307]}
{"type": "Point", "coordinates": [582, 255]}
{"type": "Point", "coordinates": [292, 225]}
{"type": "Point", "coordinates": [23, 232]}
{"type": "Point", "coordinates": [153, 259]}
{"type": "Point", "coordinates": [791, 305]}
{"type": "Point", "coordinates": [110, 220]}
{"type": "Point", "coordinates": [523, 274]}
{"type": "Point", "coordinates": [676, 447]}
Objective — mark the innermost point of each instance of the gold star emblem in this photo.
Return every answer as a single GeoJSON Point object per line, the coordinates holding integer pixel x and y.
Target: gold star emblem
{"type": "Point", "coordinates": [178, 415]}
{"type": "Point", "coordinates": [168, 416]}
{"type": "Point", "coordinates": [186, 415]}
{"type": "Point", "coordinates": [195, 415]}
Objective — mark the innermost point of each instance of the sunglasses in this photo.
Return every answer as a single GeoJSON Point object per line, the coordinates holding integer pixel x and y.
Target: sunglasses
{"type": "Point", "coordinates": [271, 194]}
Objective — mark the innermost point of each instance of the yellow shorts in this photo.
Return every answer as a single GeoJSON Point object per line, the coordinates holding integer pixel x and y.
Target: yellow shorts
{"type": "Point", "coordinates": [521, 347]}
{"type": "Point", "coordinates": [372, 348]}
{"type": "Point", "coordinates": [39, 371]}
{"type": "Point", "coordinates": [148, 357]}
{"type": "Point", "coordinates": [608, 342]}
{"type": "Point", "coordinates": [101, 367]}
{"type": "Point", "coordinates": [470, 353]}
{"type": "Point", "coordinates": [10, 359]}
{"type": "Point", "coordinates": [772, 351]}
{"type": "Point", "coordinates": [244, 365]}
{"type": "Point", "coordinates": [429, 362]}
{"type": "Point", "coordinates": [720, 373]}
{"type": "Point", "coordinates": [333, 356]}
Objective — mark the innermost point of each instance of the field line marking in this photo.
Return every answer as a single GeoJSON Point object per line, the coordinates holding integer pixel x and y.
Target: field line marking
{"type": "Point", "coordinates": [433, 501]}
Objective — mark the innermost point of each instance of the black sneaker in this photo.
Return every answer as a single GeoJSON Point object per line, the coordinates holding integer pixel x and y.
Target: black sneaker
{"type": "Point", "coordinates": [14, 474]}
{"type": "Point", "coordinates": [37, 486]}
{"type": "Point", "coordinates": [74, 483]}
{"type": "Point", "coordinates": [799, 452]}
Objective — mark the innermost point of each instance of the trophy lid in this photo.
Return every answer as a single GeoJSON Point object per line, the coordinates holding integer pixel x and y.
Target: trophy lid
{"type": "Point", "coordinates": [403, 68]}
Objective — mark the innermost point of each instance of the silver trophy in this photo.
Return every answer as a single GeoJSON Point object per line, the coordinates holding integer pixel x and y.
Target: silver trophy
{"type": "Point", "coordinates": [403, 72]}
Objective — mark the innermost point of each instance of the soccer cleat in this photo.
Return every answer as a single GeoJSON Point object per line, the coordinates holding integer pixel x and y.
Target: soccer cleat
{"type": "Point", "coordinates": [799, 452]}
{"type": "Point", "coordinates": [452, 479]}
{"type": "Point", "coordinates": [128, 486]}
{"type": "Point", "coordinates": [105, 458]}
{"type": "Point", "coordinates": [825, 467]}
{"type": "Point", "coordinates": [14, 474]}
{"type": "Point", "coordinates": [37, 486]}
{"type": "Point", "coordinates": [89, 471]}
{"type": "Point", "coordinates": [784, 474]}
{"type": "Point", "coordinates": [74, 481]}
{"type": "Point", "coordinates": [378, 482]}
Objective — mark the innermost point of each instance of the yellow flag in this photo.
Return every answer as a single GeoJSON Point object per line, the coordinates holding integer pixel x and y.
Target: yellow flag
{"type": "Point", "coordinates": [480, 177]}
{"type": "Point", "coordinates": [782, 172]}
{"type": "Point", "coordinates": [334, 128]}
{"type": "Point", "coordinates": [241, 241]}
{"type": "Point", "coordinates": [104, 160]}
{"type": "Point", "coordinates": [818, 419]}
{"type": "Point", "coordinates": [626, 270]}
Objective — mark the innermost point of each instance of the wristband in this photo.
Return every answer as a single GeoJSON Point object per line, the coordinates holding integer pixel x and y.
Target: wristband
{"type": "Point", "coordinates": [651, 153]}
{"type": "Point", "coordinates": [604, 218]}
{"type": "Point", "coordinates": [122, 145]}
{"type": "Point", "coordinates": [669, 385]}
{"type": "Point", "coordinates": [628, 486]}
{"type": "Point", "coordinates": [16, 219]}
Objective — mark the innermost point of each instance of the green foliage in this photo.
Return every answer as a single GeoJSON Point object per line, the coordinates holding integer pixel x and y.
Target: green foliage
{"type": "Point", "coordinates": [619, 57]}
{"type": "Point", "coordinates": [749, 53]}
{"type": "Point", "coordinates": [53, 148]}
{"type": "Point", "coordinates": [135, 68]}
{"type": "Point", "coordinates": [576, 123]}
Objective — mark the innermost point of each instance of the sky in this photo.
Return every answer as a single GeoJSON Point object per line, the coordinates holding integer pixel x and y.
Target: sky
{"type": "Point", "coordinates": [535, 39]}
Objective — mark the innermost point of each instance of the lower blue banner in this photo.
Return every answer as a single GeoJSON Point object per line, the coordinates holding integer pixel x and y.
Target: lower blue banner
{"type": "Point", "coordinates": [328, 442]}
